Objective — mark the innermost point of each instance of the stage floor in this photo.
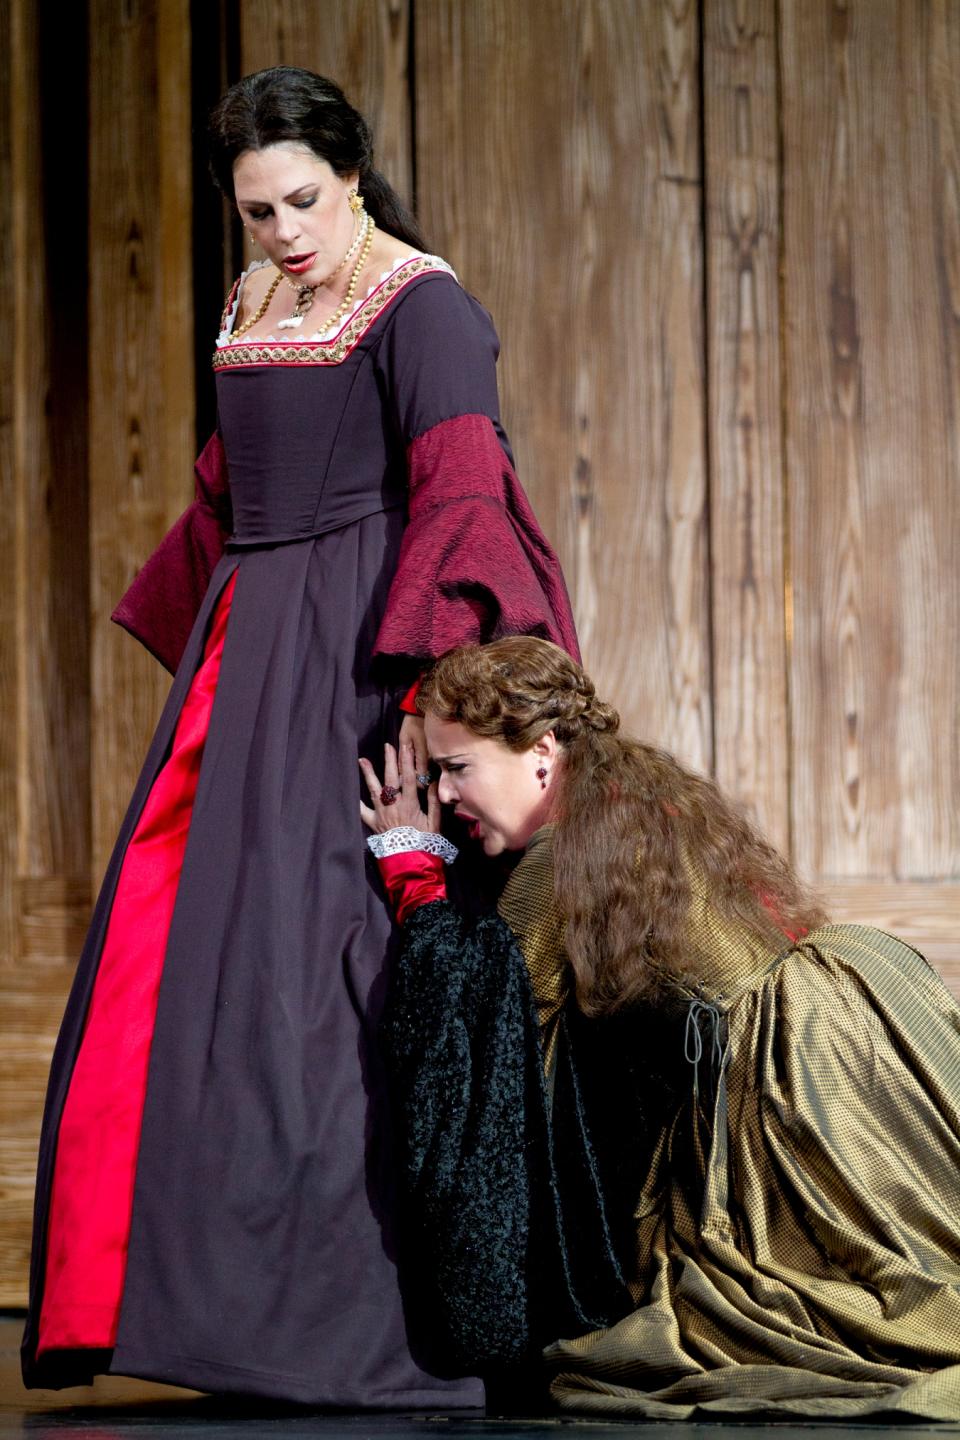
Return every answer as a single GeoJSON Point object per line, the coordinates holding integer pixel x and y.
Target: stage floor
{"type": "Point", "coordinates": [118, 1409]}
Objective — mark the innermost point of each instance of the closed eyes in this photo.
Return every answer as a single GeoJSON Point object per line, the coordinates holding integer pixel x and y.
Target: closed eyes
{"type": "Point", "coordinates": [298, 205]}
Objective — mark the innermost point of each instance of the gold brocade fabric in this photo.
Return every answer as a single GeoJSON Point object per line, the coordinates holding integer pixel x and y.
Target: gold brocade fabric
{"type": "Point", "coordinates": [798, 1236]}
{"type": "Point", "coordinates": [527, 907]}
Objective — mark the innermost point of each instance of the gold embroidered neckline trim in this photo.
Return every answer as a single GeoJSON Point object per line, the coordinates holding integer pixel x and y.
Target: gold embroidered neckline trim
{"type": "Point", "coordinates": [338, 347]}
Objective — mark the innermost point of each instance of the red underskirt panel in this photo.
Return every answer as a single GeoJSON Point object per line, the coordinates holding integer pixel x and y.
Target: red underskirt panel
{"type": "Point", "coordinates": [92, 1196]}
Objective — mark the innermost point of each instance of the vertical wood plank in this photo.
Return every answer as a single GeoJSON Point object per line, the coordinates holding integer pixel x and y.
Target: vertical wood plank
{"type": "Point", "coordinates": [217, 231]}
{"type": "Point", "coordinates": [50, 464]}
{"type": "Point", "coordinates": [558, 170]}
{"type": "Point", "coordinates": [743, 359]}
{"type": "Point", "coordinates": [44, 721]}
{"type": "Point", "coordinates": [141, 354]}
{"type": "Point", "coordinates": [363, 47]}
{"type": "Point", "coordinates": [9, 713]}
{"type": "Point", "coordinates": [871, 240]}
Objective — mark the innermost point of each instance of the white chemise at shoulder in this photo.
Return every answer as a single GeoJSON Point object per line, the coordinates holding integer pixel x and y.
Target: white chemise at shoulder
{"type": "Point", "coordinates": [230, 314]}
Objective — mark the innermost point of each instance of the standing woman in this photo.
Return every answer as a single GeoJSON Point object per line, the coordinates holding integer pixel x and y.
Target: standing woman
{"type": "Point", "coordinates": [212, 1204]}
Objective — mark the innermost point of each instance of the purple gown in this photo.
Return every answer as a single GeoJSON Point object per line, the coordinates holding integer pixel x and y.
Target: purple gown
{"type": "Point", "coordinates": [261, 1257]}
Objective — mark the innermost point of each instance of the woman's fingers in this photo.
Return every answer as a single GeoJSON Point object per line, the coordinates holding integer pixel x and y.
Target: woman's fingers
{"type": "Point", "coordinates": [433, 807]}
{"type": "Point", "coordinates": [390, 771]}
{"type": "Point", "coordinates": [412, 729]}
{"type": "Point", "coordinates": [408, 768]}
{"type": "Point", "coordinates": [368, 813]}
{"type": "Point", "coordinates": [370, 775]}
{"type": "Point", "coordinates": [400, 778]}
{"type": "Point", "coordinates": [429, 820]}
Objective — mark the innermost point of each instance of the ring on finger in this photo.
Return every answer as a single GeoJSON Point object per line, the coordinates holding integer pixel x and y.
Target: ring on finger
{"type": "Point", "coordinates": [424, 780]}
{"type": "Point", "coordinates": [389, 794]}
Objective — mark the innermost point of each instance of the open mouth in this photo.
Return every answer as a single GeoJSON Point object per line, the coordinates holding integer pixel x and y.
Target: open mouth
{"type": "Point", "coordinates": [296, 264]}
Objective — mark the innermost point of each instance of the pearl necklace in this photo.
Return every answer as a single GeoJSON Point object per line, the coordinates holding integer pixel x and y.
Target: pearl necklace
{"type": "Point", "coordinates": [354, 244]}
{"type": "Point", "coordinates": [305, 292]}
{"type": "Point", "coordinates": [249, 324]}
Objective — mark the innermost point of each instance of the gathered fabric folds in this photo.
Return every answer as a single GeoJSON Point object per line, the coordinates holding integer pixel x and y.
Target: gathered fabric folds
{"type": "Point", "coordinates": [774, 1153]}
{"type": "Point", "coordinates": [92, 1195]}
{"type": "Point", "coordinates": [162, 603]}
{"type": "Point", "coordinates": [474, 563]}
{"type": "Point", "coordinates": [798, 1236]}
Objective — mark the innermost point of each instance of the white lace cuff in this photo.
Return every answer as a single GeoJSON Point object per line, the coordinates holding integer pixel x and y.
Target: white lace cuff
{"type": "Point", "coordinates": [404, 838]}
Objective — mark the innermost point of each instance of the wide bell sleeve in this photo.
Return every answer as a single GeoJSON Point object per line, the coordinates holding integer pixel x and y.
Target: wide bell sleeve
{"type": "Point", "coordinates": [474, 563]}
{"type": "Point", "coordinates": [161, 605]}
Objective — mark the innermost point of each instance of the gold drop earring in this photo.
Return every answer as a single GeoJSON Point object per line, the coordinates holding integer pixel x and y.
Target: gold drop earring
{"type": "Point", "coordinates": [355, 201]}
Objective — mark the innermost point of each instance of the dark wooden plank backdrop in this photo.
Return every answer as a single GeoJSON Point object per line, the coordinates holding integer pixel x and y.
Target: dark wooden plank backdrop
{"type": "Point", "coordinates": [141, 354]}
{"type": "Point", "coordinates": [721, 242]}
{"type": "Point", "coordinates": [44, 649]}
{"type": "Point", "coordinates": [559, 170]}
{"type": "Point", "coordinates": [363, 45]}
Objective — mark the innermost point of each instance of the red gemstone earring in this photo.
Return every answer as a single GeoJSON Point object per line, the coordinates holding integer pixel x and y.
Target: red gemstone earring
{"type": "Point", "coordinates": [542, 777]}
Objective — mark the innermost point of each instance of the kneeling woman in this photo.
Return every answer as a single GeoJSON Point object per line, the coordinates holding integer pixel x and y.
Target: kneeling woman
{"type": "Point", "coordinates": [659, 1119]}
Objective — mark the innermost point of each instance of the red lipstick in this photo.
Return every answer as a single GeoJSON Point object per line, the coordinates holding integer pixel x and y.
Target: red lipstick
{"type": "Point", "coordinates": [296, 264]}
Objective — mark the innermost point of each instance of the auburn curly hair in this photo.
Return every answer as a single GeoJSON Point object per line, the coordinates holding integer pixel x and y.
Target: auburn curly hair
{"type": "Point", "coordinates": [627, 816]}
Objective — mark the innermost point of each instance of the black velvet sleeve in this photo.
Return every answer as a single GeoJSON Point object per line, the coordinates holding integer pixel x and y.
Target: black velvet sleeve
{"type": "Point", "coordinates": [504, 1261]}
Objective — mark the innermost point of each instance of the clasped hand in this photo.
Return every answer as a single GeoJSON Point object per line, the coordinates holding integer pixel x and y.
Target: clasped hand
{"type": "Point", "coordinates": [399, 775]}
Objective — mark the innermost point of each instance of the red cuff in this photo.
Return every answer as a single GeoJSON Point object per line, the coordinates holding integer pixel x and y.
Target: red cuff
{"type": "Point", "coordinates": [409, 702]}
{"type": "Point", "coordinates": [412, 879]}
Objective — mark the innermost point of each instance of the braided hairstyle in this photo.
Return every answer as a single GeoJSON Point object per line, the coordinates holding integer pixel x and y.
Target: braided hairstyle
{"type": "Point", "coordinates": [629, 823]}
{"type": "Point", "coordinates": [516, 690]}
{"type": "Point", "coordinates": [287, 105]}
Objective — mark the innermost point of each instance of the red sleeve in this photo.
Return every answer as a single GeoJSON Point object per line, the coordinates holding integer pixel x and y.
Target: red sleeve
{"type": "Point", "coordinates": [474, 563]}
{"type": "Point", "coordinates": [412, 879]}
{"type": "Point", "coordinates": [409, 702]}
{"type": "Point", "coordinates": [161, 605]}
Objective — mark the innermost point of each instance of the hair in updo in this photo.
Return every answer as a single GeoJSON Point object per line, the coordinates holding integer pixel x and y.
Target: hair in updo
{"type": "Point", "coordinates": [632, 825]}
{"type": "Point", "coordinates": [287, 105]}
{"type": "Point", "coordinates": [516, 690]}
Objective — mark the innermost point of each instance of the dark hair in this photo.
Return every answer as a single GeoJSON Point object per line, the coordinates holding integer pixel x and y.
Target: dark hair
{"type": "Point", "coordinates": [634, 830]}
{"type": "Point", "coordinates": [286, 105]}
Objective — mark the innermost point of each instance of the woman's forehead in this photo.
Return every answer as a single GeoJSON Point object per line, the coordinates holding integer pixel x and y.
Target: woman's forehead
{"type": "Point", "coordinates": [284, 164]}
{"type": "Point", "coordinates": [446, 738]}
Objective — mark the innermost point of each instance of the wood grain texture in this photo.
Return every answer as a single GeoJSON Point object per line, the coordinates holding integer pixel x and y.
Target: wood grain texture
{"type": "Point", "coordinates": [558, 170]}
{"type": "Point", "coordinates": [744, 410]}
{"type": "Point", "coordinates": [871, 245]}
{"type": "Point", "coordinates": [363, 46]}
{"type": "Point", "coordinates": [44, 695]}
{"type": "Point", "coordinates": [141, 365]}
{"type": "Point", "coordinates": [50, 465]}
{"type": "Point", "coordinates": [11, 118]}
{"type": "Point", "coordinates": [927, 916]}
{"type": "Point", "coordinates": [53, 916]}
{"type": "Point", "coordinates": [9, 714]}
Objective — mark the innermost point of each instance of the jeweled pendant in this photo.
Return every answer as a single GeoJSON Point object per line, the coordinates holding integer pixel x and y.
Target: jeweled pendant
{"type": "Point", "coordinates": [292, 322]}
